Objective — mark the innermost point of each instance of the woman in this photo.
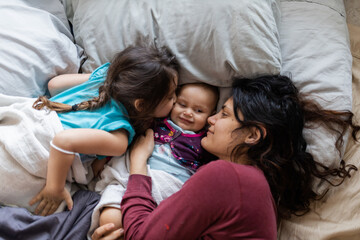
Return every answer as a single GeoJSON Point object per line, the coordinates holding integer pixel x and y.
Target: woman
{"type": "Point", "coordinates": [265, 173]}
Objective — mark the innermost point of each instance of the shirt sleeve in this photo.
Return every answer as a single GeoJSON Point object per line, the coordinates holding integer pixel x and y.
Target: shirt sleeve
{"type": "Point", "coordinates": [99, 73]}
{"type": "Point", "coordinates": [187, 214]}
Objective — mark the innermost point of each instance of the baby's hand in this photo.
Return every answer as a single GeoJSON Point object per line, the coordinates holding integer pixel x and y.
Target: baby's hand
{"type": "Point", "coordinates": [140, 152]}
{"type": "Point", "coordinates": [144, 145]}
{"type": "Point", "coordinates": [50, 200]}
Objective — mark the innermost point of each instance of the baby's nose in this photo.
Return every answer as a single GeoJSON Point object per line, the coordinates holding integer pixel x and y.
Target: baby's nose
{"type": "Point", "coordinates": [188, 112]}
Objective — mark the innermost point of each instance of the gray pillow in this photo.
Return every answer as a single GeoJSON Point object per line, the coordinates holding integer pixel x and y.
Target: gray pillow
{"type": "Point", "coordinates": [212, 39]}
{"type": "Point", "coordinates": [35, 45]}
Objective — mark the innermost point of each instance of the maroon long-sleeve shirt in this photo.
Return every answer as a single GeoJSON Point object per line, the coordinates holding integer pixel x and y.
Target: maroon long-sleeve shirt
{"type": "Point", "coordinates": [223, 200]}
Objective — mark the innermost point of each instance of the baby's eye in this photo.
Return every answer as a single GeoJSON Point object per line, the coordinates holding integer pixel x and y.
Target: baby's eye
{"type": "Point", "coordinates": [181, 104]}
{"type": "Point", "coordinates": [198, 110]}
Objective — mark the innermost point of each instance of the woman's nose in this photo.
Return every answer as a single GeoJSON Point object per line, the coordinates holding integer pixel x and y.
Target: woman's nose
{"type": "Point", "coordinates": [212, 119]}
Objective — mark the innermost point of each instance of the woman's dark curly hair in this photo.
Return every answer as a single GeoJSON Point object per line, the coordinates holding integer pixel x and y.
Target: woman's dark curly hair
{"type": "Point", "coordinates": [274, 103]}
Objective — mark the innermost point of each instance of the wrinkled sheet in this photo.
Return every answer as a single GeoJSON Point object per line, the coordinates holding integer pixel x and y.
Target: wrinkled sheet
{"type": "Point", "coordinates": [18, 223]}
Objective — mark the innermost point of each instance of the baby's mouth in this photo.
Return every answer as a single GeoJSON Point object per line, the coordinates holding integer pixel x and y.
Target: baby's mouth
{"type": "Point", "coordinates": [184, 120]}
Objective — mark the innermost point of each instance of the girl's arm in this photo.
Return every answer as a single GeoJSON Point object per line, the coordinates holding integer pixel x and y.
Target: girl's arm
{"type": "Point", "coordinates": [87, 141]}
{"type": "Point", "coordinates": [92, 141]}
{"type": "Point", "coordinates": [63, 82]}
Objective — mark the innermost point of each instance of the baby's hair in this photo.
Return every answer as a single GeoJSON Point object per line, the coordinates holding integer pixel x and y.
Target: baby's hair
{"type": "Point", "coordinates": [137, 72]}
{"type": "Point", "coordinates": [205, 86]}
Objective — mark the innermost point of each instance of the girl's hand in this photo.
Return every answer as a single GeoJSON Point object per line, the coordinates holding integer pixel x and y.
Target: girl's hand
{"type": "Point", "coordinates": [107, 232]}
{"type": "Point", "coordinates": [140, 152]}
{"type": "Point", "coordinates": [49, 201]}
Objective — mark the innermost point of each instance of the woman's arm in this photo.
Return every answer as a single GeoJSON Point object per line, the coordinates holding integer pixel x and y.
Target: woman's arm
{"type": "Point", "coordinates": [186, 214]}
{"type": "Point", "coordinates": [114, 215]}
{"type": "Point", "coordinates": [63, 82]}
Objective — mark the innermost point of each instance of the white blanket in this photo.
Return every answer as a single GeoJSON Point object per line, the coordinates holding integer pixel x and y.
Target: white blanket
{"type": "Point", "coordinates": [113, 182]}
{"type": "Point", "coordinates": [25, 135]}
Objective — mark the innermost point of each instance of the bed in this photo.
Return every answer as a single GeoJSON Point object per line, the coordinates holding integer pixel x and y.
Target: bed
{"type": "Point", "coordinates": [307, 39]}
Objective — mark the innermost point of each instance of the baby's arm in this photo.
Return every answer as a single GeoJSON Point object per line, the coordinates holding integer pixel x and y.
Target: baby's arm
{"type": "Point", "coordinates": [111, 215]}
{"type": "Point", "coordinates": [63, 82]}
{"type": "Point", "coordinates": [87, 141]}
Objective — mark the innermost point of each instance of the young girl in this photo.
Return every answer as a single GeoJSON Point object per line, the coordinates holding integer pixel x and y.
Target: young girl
{"type": "Point", "coordinates": [101, 112]}
{"type": "Point", "coordinates": [176, 156]}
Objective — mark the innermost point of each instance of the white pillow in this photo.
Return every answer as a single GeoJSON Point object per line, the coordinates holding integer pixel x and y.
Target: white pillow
{"type": "Point", "coordinates": [336, 5]}
{"type": "Point", "coordinates": [315, 50]}
{"type": "Point", "coordinates": [213, 40]}
{"type": "Point", "coordinates": [35, 45]}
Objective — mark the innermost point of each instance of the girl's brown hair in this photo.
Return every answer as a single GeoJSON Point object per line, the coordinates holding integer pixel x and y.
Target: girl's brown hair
{"type": "Point", "coordinates": [274, 103]}
{"type": "Point", "coordinates": [138, 72]}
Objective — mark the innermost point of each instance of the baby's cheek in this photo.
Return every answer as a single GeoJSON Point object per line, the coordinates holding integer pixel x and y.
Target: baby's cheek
{"type": "Point", "coordinates": [203, 121]}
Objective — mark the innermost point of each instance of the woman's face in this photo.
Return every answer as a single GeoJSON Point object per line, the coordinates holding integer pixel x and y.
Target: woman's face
{"type": "Point", "coordinates": [220, 139]}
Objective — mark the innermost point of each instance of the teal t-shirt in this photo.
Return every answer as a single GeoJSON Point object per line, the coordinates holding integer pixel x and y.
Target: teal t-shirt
{"type": "Point", "coordinates": [110, 117]}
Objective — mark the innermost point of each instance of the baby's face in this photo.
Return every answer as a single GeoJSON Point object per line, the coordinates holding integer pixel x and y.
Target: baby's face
{"type": "Point", "coordinates": [193, 106]}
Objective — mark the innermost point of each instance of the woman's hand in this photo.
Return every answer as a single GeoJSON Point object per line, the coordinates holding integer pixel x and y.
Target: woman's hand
{"type": "Point", "coordinates": [140, 152]}
{"type": "Point", "coordinates": [107, 232]}
{"type": "Point", "coordinates": [49, 201]}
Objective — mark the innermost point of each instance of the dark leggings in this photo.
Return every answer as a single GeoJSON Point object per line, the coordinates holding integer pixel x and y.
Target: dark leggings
{"type": "Point", "coordinates": [19, 223]}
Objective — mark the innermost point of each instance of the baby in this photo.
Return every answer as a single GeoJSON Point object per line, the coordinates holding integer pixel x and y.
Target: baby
{"type": "Point", "coordinates": [178, 149]}
{"type": "Point", "coordinates": [177, 153]}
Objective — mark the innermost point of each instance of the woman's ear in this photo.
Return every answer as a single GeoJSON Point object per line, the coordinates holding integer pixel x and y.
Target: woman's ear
{"type": "Point", "coordinates": [139, 104]}
{"type": "Point", "coordinates": [254, 135]}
